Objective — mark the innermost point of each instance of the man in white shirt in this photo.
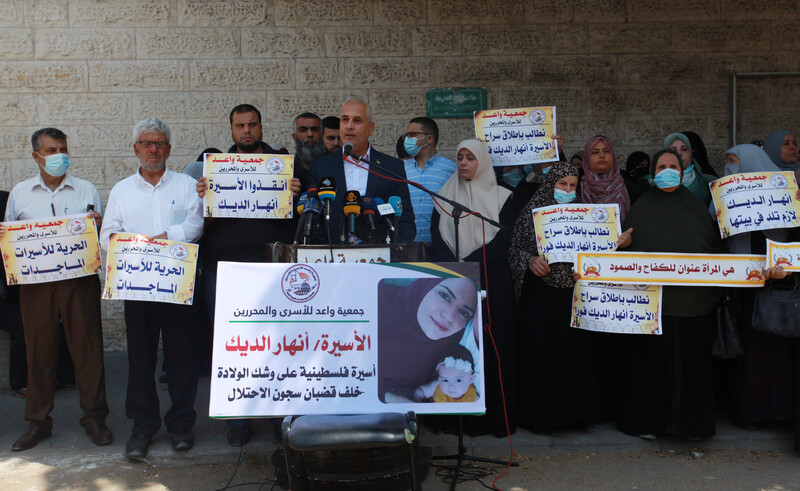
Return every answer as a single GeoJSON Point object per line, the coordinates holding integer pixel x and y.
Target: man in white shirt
{"type": "Point", "coordinates": [53, 192]}
{"type": "Point", "coordinates": [161, 204]}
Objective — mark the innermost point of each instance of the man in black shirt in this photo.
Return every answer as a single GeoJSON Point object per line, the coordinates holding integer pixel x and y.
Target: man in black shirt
{"type": "Point", "coordinates": [242, 239]}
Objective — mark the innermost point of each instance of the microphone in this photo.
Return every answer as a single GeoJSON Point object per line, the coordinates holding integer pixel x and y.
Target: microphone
{"type": "Point", "coordinates": [370, 207]}
{"type": "Point", "coordinates": [386, 211]}
{"type": "Point", "coordinates": [312, 210]}
{"type": "Point", "coordinates": [327, 193]}
{"type": "Point", "coordinates": [352, 208]}
{"type": "Point", "coordinates": [301, 204]}
{"type": "Point", "coordinates": [397, 206]}
{"type": "Point", "coordinates": [347, 148]}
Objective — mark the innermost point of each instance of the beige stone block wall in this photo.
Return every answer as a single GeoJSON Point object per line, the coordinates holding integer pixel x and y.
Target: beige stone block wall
{"type": "Point", "coordinates": [634, 70]}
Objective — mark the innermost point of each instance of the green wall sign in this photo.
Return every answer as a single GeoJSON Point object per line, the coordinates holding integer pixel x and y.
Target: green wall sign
{"type": "Point", "coordinates": [456, 102]}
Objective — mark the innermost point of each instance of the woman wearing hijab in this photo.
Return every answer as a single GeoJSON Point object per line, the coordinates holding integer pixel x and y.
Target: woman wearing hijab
{"type": "Point", "coordinates": [781, 146]}
{"type": "Point", "coordinates": [666, 381]}
{"type": "Point", "coordinates": [415, 323]}
{"type": "Point", "coordinates": [699, 153]}
{"type": "Point", "coordinates": [559, 373]}
{"type": "Point", "coordinates": [693, 179]}
{"type": "Point", "coordinates": [474, 185]}
{"type": "Point", "coordinates": [602, 181]}
{"type": "Point", "coordinates": [763, 378]}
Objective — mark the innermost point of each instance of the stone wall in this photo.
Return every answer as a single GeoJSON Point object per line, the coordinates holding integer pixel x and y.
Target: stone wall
{"type": "Point", "coordinates": [634, 70]}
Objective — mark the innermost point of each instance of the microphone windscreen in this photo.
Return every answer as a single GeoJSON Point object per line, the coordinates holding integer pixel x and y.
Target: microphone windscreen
{"type": "Point", "coordinates": [397, 205]}
{"type": "Point", "coordinates": [301, 202]}
{"type": "Point", "coordinates": [369, 205]}
{"type": "Point", "coordinates": [352, 203]}
{"type": "Point", "coordinates": [326, 189]}
{"type": "Point", "coordinates": [347, 148]}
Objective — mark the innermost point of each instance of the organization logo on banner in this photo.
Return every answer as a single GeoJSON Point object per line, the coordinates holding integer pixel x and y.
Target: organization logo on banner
{"type": "Point", "coordinates": [300, 283]}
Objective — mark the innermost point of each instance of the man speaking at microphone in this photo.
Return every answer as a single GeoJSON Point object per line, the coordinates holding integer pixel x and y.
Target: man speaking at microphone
{"type": "Point", "coordinates": [350, 174]}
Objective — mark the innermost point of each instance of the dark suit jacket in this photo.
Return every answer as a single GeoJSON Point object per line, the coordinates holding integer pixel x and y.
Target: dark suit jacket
{"type": "Point", "coordinates": [332, 165]}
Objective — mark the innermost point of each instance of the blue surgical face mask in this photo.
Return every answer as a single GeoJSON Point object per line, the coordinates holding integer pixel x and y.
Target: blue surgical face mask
{"type": "Point", "coordinates": [545, 171]}
{"type": "Point", "coordinates": [688, 175]}
{"type": "Point", "coordinates": [411, 147]}
{"type": "Point", "coordinates": [667, 178]}
{"type": "Point", "coordinates": [513, 177]}
{"type": "Point", "coordinates": [57, 164]}
{"type": "Point", "coordinates": [563, 197]}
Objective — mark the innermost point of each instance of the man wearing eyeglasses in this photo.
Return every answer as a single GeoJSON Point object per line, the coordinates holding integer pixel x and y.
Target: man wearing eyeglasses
{"type": "Point", "coordinates": [161, 204]}
{"type": "Point", "coordinates": [54, 192]}
{"type": "Point", "coordinates": [425, 167]}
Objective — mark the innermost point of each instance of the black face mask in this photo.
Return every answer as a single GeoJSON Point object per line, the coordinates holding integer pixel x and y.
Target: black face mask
{"type": "Point", "coordinates": [637, 173]}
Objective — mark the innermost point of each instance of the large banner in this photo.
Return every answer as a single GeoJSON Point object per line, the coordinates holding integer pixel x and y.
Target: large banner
{"type": "Point", "coordinates": [59, 248]}
{"type": "Point", "coordinates": [655, 268]}
{"type": "Point", "coordinates": [617, 308]}
{"type": "Point", "coordinates": [346, 338]}
{"type": "Point", "coordinates": [153, 270]}
{"type": "Point", "coordinates": [248, 185]}
{"type": "Point", "coordinates": [755, 201]}
{"type": "Point", "coordinates": [518, 136]}
{"type": "Point", "coordinates": [562, 231]}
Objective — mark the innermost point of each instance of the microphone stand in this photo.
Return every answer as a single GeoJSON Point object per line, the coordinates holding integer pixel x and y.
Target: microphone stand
{"type": "Point", "coordinates": [458, 209]}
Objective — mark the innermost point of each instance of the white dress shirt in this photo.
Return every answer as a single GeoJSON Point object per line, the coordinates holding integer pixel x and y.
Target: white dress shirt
{"type": "Point", "coordinates": [138, 207]}
{"type": "Point", "coordinates": [355, 176]}
{"type": "Point", "coordinates": [32, 199]}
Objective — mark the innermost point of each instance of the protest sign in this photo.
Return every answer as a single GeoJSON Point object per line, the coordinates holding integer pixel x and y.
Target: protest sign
{"type": "Point", "coordinates": [784, 254]}
{"type": "Point", "coordinates": [153, 270]}
{"type": "Point", "coordinates": [564, 230]}
{"type": "Point", "coordinates": [248, 185]}
{"type": "Point", "coordinates": [58, 248]}
{"type": "Point", "coordinates": [655, 268]}
{"type": "Point", "coordinates": [755, 201]}
{"type": "Point", "coordinates": [518, 136]}
{"type": "Point", "coordinates": [617, 308]}
{"type": "Point", "coordinates": [343, 339]}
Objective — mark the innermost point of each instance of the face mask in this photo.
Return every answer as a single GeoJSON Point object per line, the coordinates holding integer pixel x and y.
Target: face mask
{"type": "Point", "coordinates": [411, 147]}
{"type": "Point", "coordinates": [667, 178]}
{"type": "Point", "coordinates": [563, 197]}
{"type": "Point", "coordinates": [545, 171]}
{"type": "Point", "coordinates": [513, 178]}
{"type": "Point", "coordinates": [731, 169]}
{"type": "Point", "coordinates": [688, 175]}
{"type": "Point", "coordinates": [57, 164]}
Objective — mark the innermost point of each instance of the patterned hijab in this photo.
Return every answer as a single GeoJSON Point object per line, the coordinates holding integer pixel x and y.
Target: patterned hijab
{"type": "Point", "coordinates": [480, 194]}
{"type": "Point", "coordinates": [772, 145]}
{"type": "Point", "coordinates": [608, 188]}
{"type": "Point", "coordinates": [523, 241]}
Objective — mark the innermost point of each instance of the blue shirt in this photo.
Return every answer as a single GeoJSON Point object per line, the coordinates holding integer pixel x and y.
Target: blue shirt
{"type": "Point", "coordinates": [437, 171]}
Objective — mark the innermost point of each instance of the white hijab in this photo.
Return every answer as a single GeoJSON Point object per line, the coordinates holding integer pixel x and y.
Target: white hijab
{"type": "Point", "coordinates": [480, 194]}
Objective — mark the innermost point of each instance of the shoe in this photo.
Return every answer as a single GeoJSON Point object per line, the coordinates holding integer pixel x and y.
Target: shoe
{"type": "Point", "coordinates": [647, 436]}
{"type": "Point", "coordinates": [32, 436]}
{"type": "Point", "coordinates": [182, 440]}
{"type": "Point", "coordinates": [23, 392]}
{"type": "Point", "coordinates": [99, 433]}
{"type": "Point", "coordinates": [136, 448]}
{"type": "Point", "coordinates": [238, 435]}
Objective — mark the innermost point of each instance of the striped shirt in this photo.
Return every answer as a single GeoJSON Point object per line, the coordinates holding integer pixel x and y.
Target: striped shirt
{"type": "Point", "coordinates": [437, 171]}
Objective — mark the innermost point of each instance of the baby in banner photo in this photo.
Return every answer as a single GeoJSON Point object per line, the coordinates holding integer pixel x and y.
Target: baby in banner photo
{"type": "Point", "coordinates": [455, 375]}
